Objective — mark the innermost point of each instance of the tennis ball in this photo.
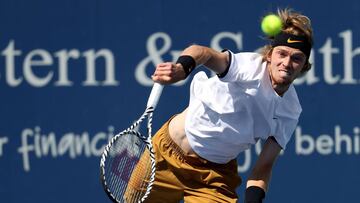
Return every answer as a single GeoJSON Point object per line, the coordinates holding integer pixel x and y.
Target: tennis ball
{"type": "Point", "coordinates": [271, 25]}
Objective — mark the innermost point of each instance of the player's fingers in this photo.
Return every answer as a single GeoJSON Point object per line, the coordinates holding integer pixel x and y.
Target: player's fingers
{"type": "Point", "coordinates": [162, 79]}
{"type": "Point", "coordinates": [167, 73]}
{"type": "Point", "coordinates": [164, 64]}
{"type": "Point", "coordinates": [161, 68]}
{"type": "Point", "coordinates": [162, 72]}
{"type": "Point", "coordinates": [165, 69]}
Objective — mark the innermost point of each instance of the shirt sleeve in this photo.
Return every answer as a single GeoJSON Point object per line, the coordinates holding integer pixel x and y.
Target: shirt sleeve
{"type": "Point", "coordinates": [229, 74]}
{"type": "Point", "coordinates": [242, 66]}
{"type": "Point", "coordinates": [223, 74]}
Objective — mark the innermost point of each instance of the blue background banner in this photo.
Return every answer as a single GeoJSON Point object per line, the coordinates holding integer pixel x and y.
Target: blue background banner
{"type": "Point", "coordinates": [74, 73]}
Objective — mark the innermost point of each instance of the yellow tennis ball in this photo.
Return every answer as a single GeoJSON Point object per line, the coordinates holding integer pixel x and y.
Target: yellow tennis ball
{"type": "Point", "coordinates": [271, 25]}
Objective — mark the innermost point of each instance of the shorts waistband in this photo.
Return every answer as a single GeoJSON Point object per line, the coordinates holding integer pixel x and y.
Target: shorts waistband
{"type": "Point", "coordinates": [191, 159]}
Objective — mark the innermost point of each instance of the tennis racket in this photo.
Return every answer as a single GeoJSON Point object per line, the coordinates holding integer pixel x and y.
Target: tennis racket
{"type": "Point", "coordinates": [127, 165]}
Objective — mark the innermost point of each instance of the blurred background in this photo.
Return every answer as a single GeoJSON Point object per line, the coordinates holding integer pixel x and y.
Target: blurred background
{"type": "Point", "coordinates": [73, 73]}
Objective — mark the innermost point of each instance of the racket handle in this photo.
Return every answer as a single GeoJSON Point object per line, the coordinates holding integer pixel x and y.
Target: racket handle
{"type": "Point", "coordinates": [155, 95]}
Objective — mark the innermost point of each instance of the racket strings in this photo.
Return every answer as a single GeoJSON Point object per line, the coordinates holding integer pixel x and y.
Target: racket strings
{"type": "Point", "coordinates": [143, 176]}
{"type": "Point", "coordinates": [129, 170]}
{"type": "Point", "coordinates": [122, 160]}
{"type": "Point", "coordinates": [140, 180]}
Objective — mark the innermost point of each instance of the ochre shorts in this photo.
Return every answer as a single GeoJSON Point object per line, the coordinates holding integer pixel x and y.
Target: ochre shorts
{"type": "Point", "coordinates": [193, 179]}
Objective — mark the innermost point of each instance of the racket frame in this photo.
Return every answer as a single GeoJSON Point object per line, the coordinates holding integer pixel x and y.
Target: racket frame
{"type": "Point", "coordinates": [151, 105]}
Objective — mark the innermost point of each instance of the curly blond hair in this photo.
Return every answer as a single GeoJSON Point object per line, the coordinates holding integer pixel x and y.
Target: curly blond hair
{"type": "Point", "coordinates": [293, 23]}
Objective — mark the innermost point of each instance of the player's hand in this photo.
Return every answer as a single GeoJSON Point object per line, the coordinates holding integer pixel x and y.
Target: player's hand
{"type": "Point", "coordinates": [168, 73]}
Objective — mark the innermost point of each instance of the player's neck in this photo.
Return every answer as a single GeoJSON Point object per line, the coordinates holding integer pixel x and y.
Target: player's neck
{"type": "Point", "coordinates": [280, 89]}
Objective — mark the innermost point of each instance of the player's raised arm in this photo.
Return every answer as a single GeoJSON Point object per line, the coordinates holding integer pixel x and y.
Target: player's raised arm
{"type": "Point", "coordinates": [191, 57]}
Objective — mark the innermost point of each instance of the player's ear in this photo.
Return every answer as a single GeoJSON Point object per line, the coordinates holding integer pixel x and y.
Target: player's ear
{"type": "Point", "coordinates": [268, 55]}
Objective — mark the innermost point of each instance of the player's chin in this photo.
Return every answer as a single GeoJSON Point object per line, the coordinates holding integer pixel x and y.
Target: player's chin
{"type": "Point", "coordinates": [285, 80]}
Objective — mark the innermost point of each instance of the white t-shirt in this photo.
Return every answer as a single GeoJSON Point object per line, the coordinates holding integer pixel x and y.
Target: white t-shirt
{"type": "Point", "coordinates": [227, 115]}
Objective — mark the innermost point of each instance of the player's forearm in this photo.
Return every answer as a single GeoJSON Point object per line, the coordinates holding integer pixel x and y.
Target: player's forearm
{"type": "Point", "coordinates": [214, 60]}
{"type": "Point", "coordinates": [259, 178]}
{"type": "Point", "coordinates": [261, 172]}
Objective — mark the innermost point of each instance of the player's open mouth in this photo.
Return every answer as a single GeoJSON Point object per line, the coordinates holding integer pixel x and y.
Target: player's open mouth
{"type": "Point", "coordinates": [285, 71]}
{"type": "Point", "coordinates": [285, 75]}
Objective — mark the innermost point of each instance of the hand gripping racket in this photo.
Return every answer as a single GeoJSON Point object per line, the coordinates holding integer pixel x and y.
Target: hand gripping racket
{"type": "Point", "coordinates": [127, 165]}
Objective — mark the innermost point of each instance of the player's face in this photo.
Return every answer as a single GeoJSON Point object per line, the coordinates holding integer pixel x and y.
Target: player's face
{"type": "Point", "coordinates": [285, 64]}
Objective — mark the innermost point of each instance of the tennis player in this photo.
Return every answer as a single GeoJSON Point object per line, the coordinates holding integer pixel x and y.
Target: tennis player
{"type": "Point", "coordinates": [251, 98]}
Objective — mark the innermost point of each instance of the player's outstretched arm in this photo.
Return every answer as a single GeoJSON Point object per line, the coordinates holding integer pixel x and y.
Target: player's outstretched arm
{"type": "Point", "coordinates": [212, 59]}
{"type": "Point", "coordinates": [191, 57]}
{"type": "Point", "coordinates": [258, 181]}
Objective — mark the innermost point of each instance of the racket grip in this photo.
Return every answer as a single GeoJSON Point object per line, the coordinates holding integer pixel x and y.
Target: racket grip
{"type": "Point", "coordinates": [155, 95]}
